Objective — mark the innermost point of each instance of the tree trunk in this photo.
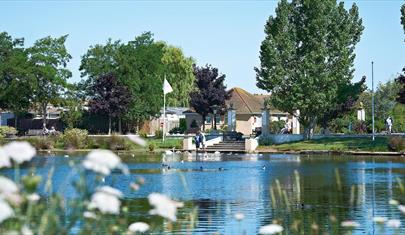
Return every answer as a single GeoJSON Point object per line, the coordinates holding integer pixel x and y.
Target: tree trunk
{"type": "Point", "coordinates": [119, 126]}
{"type": "Point", "coordinates": [109, 125]}
{"type": "Point", "coordinates": [203, 123]}
{"type": "Point", "coordinates": [309, 129]}
{"type": "Point", "coordinates": [44, 115]}
{"type": "Point", "coordinates": [215, 122]}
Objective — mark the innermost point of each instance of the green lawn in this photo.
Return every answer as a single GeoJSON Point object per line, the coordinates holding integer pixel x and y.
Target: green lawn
{"type": "Point", "coordinates": [335, 143]}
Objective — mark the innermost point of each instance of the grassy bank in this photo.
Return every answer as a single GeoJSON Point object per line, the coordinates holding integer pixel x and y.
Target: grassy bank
{"type": "Point", "coordinates": [380, 144]}
{"type": "Point", "coordinates": [115, 143]}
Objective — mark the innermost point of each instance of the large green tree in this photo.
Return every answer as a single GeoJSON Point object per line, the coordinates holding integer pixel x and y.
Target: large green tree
{"type": "Point", "coordinates": [48, 58]}
{"type": "Point", "coordinates": [141, 65]}
{"type": "Point", "coordinates": [15, 76]}
{"type": "Point", "coordinates": [179, 73]}
{"type": "Point", "coordinates": [307, 56]}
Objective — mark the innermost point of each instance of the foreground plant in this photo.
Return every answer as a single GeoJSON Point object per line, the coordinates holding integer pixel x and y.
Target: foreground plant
{"type": "Point", "coordinates": [97, 208]}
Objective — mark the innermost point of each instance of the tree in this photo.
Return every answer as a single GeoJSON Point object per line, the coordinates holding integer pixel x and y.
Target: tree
{"type": "Point", "coordinates": [142, 71]}
{"type": "Point", "coordinates": [15, 77]}
{"type": "Point", "coordinates": [73, 103]}
{"type": "Point", "coordinates": [179, 73]}
{"type": "Point", "coordinates": [403, 16]}
{"type": "Point", "coordinates": [48, 58]}
{"type": "Point", "coordinates": [347, 96]}
{"type": "Point", "coordinates": [401, 82]}
{"type": "Point", "coordinates": [109, 97]}
{"type": "Point", "coordinates": [210, 91]}
{"type": "Point", "coordinates": [307, 57]}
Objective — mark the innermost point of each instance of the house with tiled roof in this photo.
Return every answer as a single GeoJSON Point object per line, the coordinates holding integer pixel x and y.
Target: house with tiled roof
{"type": "Point", "coordinates": [248, 108]}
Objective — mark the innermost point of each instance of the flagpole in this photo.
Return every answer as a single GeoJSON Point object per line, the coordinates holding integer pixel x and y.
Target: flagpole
{"type": "Point", "coordinates": [164, 112]}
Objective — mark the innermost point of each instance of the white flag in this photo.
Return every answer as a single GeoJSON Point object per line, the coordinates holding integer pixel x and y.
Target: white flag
{"type": "Point", "coordinates": [166, 87]}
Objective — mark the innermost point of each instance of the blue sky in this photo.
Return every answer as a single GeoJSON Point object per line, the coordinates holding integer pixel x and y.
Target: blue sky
{"type": "Point", "coordinates": [226, 34]}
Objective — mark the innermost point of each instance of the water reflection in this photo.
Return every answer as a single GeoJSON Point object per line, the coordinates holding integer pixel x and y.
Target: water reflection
{"type": "Point", "coordinates": [222, 185]}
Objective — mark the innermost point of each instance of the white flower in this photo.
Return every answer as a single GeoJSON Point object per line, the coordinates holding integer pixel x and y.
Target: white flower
{"type": "Point", "coordinates": [393, 223]}
{"type": "Point", "coordinates": [19, 151]}
{"type": "Point", "coordinates": [137, 140]}
{"type": "Point", "coordinates": [5, 211]}
{"type": "Point", "coordinates": [239, 216]}
{"type": "Point", "coordinates": [401, 208]}
{"type": "Point", "coordinates": [102, 161]}
{"type": "Point", "coordinates": [271, 229]}
{"type": "Point", "coordinates": [393, 202]}
{"type": "Point", "coordinates": [379, 219]}
{"type": "Point", "coordinates": [34, 197]}
{"type": "Point", "coordinates": [349, 224]}
{"type": "Point", "coordinates": [138, 227]}
{"type": "Point", "coordinates": [164, 206]}
{"type": "Point", "coordinates": [25, 230]}
{"type": "Point", "coordinates": [106, 199]}
{"type": "Point", "coordinates": [4, 159]}
{"type": "Point", "coordinates": [7, 186]}
{"type": "Point", "coordinates": [89, 215]}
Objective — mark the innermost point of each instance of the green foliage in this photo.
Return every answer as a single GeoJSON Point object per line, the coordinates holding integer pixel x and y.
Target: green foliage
{"type": "Point", "coordinates": [158, 134]}
{"type": "Point", "coordinates": [276, 126]}
{"type": "Point", "coordinates": [396, 143]}
{"type": "Point", "coordinates": [7, 130]}
{"type": "Point", "coordinates": [152, 146]}
{"type": "Point", "coordinates": [75, 138]}
{"type": "Point", "coordinates": [403, 16]}
{"type": "Point", "coordinates": [143, 134]}
{"type": "Point", "coordinates": [305, 63]}
{"type": "Point", "coordinates": [43, 142]}
{"type": "Point", "coordinates": [183, 125]}
{"type": "Point", "coordinates": [179, 73]}
{"type": "Point", "coordinates": [398, 116]}
{"type": "Point", "coordinates": [73, 115]}
{"type": "Point", "coordinates": [193, 124]}
{"type": "Point", "coordinates": [49, 58]}
{"type": "Point", "coordinates": [360, 127]}
{"type": "Point", "coordinates": [15, 75]}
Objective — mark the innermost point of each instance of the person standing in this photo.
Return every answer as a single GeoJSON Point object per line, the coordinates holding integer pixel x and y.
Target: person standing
{"type": "Point", "coordinates": [389, 123]}
{"type": "Point", "coordinates": [202, 140]}
{"type": "Point", "coordinates": [197, 140]}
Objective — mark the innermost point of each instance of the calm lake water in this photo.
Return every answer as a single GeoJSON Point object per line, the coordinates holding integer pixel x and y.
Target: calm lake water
{"type": "Point", "coordinates": [224, 185]}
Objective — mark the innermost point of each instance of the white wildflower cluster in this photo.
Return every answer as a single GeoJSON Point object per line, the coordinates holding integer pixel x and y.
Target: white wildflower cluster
{"type": "Point", "coordinates": [271, 229]}
{"type": "Point", "coordinates": [17, 151]}
{"type": "Point", "coordinates": [164, 206]}
{"type": "Point", "coordinates": [138, 227]}
{"type": "Point", "coordinates": [107, 200]}
{"type": "Point", "coordinates": [103, 162]}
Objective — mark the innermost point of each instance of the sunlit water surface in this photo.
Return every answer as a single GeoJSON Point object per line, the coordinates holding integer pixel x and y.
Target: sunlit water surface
{"type": "Point", "coordinates": [224, 185]}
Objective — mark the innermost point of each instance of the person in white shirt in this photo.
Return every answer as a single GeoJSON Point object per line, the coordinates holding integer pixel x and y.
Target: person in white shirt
{"type": "Point", "coordinates": [389, 122]}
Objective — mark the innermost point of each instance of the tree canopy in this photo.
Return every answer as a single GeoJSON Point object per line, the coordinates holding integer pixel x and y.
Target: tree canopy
{"type": "Point", "coordinates": [49, 57]}
{"type": "Point", "coordinates": [210, 90]}
{"type": "Point", "coordinates": [15, 76]}
{"type": "Point", "coordinates": [307, 57]}
{"type": "Point", "coordinates": [141, 65]}
{"type": "Point", "coordinates": [109, 97]}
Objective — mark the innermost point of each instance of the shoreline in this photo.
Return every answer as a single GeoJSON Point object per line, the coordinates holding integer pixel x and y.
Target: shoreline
{"type": "Point", "coordinates": [259, 151]}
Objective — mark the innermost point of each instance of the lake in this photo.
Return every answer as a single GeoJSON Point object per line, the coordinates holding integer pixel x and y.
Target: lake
{"type": "Point", "coordinates": [220, 186]}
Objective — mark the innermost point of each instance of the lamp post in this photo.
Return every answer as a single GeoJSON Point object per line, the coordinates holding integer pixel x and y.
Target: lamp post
{"type": "Point", "coordinates": [214, 109]}
{"type": "Point", "coordinates": [372, 95]}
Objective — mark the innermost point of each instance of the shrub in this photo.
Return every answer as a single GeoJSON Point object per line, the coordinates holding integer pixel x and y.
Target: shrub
{"type": "Point", "coordinates": [183, 125]}
{"type": "Point", "coordinates": [152, 146]}
{"type": "Point", "coordinates": [7, 130]}
{"type": "Point", "coordinates": [360, 127]}
{"type": "Point", "coordinates": [143, 134]}
{"type": "Point", "coordinates": [116, 142]}
{"type": "Point", "coordinates": [75, 138]}
{"type": "Point", "coordinates": [276, 126]}
{"type": "Point", "coordinates": [176, 130]}
{"type": "Point", "coordinates": [396, 143]}
{"type": "Point", "coordinates": [158, 134]}
{"type": "Point", "coordinates": [194, 124]}
{"type": "Point", "coordinates": [42, 142]}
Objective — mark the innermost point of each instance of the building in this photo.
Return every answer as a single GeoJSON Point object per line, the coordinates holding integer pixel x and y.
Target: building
{"type": "Point", "coordinates": [248, 109]}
